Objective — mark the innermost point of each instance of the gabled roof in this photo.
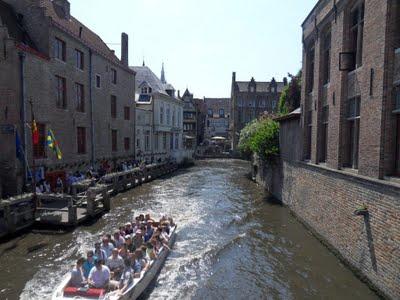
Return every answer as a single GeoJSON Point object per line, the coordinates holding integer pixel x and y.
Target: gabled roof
{"type": "Point", "coordinates": [145, 74]}
{"type": "Point", "coordinates": [74, 27]}
{"type": "Point", "coordinates": [261, 86]}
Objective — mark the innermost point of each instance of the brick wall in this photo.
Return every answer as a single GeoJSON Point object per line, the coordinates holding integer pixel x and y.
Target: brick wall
{"type": "Point", "coordinates": [325, 200]}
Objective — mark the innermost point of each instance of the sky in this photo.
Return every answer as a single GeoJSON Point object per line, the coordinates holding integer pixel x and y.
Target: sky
{"type": "Point", "coordinates": [201, 42]}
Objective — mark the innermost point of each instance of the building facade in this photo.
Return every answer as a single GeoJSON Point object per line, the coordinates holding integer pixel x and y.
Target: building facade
{"type": "Point", "coordinates": [144, 133]}
{"type": "Point", "coordinates": [158, 96]}
{"type": "Point", "coordinates": [338, 167]}
{"type": "Point", "coordinates": [77, 86]}
{"type": "Point", "coordinates": [189, 121]}
{"type": "Point", "coordinates": [249, 100]}
{"type": "Point", "coordinates": [218, 117]}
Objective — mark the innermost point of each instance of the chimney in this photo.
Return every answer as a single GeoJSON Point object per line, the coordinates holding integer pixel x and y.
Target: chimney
{"type": "Point", "coordinates": [233, 76]}
{"type": "Point", "coordinates": [179, 94]}
{"type": "Point", "coordinates": [65, 8]}
{"type": "Point", "coordinates": [124, 49]}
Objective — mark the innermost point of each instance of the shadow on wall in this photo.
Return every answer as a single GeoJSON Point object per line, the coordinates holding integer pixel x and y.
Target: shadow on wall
{"type": "Point", "coordinates": [370, 240]}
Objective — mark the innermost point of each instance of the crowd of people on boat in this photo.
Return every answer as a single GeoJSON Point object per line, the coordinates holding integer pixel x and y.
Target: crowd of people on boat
{"type": "Point", "coordinates": [126, 254]}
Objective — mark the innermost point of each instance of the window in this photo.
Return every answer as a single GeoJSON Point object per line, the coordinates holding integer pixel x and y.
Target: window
{"type": "Point", "coordinates": [171, 141]}
{"type": "Point", "coordinates": [324, 134]}
{"type": "Point", "coordinates": [176, 141]}
{"type": "Point", "coordinates": [147, 140]}
{"type": "Point", "coordinates": [221, 113]}
{"type": "Point", "coordinates": [59, 49]}
{"type": "Point", "coordinates": [357, 34]}
{"type": "Point", "coordinates": [308, 123]}
{"type": "Point", "coordinates": [326, 57]}
{"type": "Point", "coordinates": [273, 105]}
{"type": "Point", "coordinates": [114, 140]}
{"type": "Point", "coordinates": [353, 132]}
{"type": "Point", "coordinates": [127, 113]}
{"type": "Point", "coordinates": [146, 90]}
{"type": "Point", "coordinates": [113, 76]}
{"type": "Point", "coordinates": [155, 141]}
{"type": "Point", "coordinates": [81, 139]}
{"type": "Point", "coordinates": [310, 70]}
{"type": "Point", "coordinates": [79, 60]}
{"type": "Point", "coordinates": [173, 117]}
{"type": "Point", "coordinates": [39, 150]}
{"type": "Point", "coordinates": [138, 139]}
{"type": "Point", "coordinates": [162, 114]}
{"type": "Point", "coordinates": [396, 114]}
{"type": "Point", "coordinates": [61, 92]}
{"type": "Point", "coordinates": [164, 140]}
{"type": "Point", "coordinates": [210, 112]}
{"type": "Point", "coordinates": [79, 97]}
{"type": "Point", "coordinates": [127, 143]}
{"type": "Point", "coordinates": [98, 81]}
{"type": "Point", "coordinates": [168, 114]}
{"type": "Point", "coordinates": [113, 106]}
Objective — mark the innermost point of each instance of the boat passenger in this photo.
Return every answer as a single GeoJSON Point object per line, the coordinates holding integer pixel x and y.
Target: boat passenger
{"type": "Point", "coordinates": [150, 252]}
{"type": "Point", "coordinates": [148, 218]}
{"type": "Point", "coordinates": [128, 228]}
{"type": "Point", "coordinates": [135, 264]}
{"type": "Point", "coordinates": [142, 259]}
{"type": "Point", "coordinates": [99, 252]}
{"type": "Point", "coordinates": [99, 276]}
{"type": "Point", "coordinates": [122, 231]}
{"type": "Point", "coordinates": [126, 277]}
{"type": "Point", "coordinates": [123, 251]}
{"type": "Point", "coordinates": [77, 278]}
{"type": "Point", "coordinates": [116, 264]}
{"type": "Point", "coordinates": [129, 243]}
{"type": "Point", "coordinates": [118, 239]}
{"type": "Point", "coordinates": [89, 263]}
{"type": "Point", "coordinates": [107, 246]}
{"type": "Point", "coordinates": [110, 239]}
{"type": "Point", "coordinates": [39, 188]}
{"type": "Point", "coordinates": [138, 239]}
{"type": "Point", "coordinates": [141, 217]}
{"type": "Point", "coordinates": [164, 233]}
{"type": "Point", "coordinates": [149, 232]}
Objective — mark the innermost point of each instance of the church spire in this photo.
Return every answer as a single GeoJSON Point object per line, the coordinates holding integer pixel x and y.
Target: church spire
{"type": "Point", "coordinates": [163, 74]}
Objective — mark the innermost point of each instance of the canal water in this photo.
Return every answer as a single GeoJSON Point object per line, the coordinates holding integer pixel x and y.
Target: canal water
{"type": "Point", "coordinates": [231, 244]}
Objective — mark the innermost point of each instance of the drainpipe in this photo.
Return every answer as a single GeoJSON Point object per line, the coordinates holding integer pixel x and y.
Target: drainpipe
{"type": "Point", "coordinates": [23, 110]}
{"type": "Point", "coordinates": [92, 156]}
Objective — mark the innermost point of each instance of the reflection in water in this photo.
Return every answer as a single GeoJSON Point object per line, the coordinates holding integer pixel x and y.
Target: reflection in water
{"type": "Point", "coordinates": [231, 243]}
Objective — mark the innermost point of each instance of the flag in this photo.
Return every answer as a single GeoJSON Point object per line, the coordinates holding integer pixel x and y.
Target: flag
{"type": "Point", "coordinates": [53, 144]}
{"type": "Point", "coordinates": [19, 150]}
{"type": "Point", "coordinates": [35, 133]}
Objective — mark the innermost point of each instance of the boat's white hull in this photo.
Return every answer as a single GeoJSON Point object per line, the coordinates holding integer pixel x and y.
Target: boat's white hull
{"type": "Point", "coordinates": [138, 286]}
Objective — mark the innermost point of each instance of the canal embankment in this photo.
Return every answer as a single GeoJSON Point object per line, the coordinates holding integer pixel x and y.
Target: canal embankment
{"type": "Point", "coordinates": [88, 200]}
{"type": "Point", "coordinates": [358, 218]}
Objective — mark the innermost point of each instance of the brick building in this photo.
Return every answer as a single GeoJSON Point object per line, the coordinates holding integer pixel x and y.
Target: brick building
{"type": "Point", "coordinates": [340, 151]}
{"type": "Point", "coordinates": [79, 89]}
{"type": "Point", "coordinates": [249, 99]}
{"type": "Point", "coordinates": [218, 117]}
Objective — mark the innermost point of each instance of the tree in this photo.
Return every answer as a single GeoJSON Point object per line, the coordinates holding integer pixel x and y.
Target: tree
{"type": "Point", "coordinates": [291, 95]}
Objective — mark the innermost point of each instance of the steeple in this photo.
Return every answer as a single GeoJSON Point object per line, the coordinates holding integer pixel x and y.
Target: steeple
{"type": "Point", "coordinates": [163, 74]}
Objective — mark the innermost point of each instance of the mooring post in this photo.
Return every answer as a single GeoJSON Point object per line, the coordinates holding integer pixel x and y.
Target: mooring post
{"type": "Point", "coordinates": [91, 205]}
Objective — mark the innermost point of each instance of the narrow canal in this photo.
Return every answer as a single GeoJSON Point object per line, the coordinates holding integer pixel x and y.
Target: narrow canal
{"type": "Point", "coordinates": [231, 244]}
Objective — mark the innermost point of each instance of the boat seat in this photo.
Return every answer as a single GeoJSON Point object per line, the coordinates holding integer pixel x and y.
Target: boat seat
{"type": "Point", "coordinates": [90, 293]}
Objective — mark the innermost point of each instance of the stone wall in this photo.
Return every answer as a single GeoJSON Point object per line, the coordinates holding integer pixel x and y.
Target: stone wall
{"type": "Point", "coordinates": [325, 200]}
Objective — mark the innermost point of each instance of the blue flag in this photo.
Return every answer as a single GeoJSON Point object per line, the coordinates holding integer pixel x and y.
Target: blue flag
{"type": "Point", "coordinates": [19, 150]}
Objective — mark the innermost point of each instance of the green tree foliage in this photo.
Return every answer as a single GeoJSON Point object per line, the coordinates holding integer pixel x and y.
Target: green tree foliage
{"type": "Point", "coordinates": [291, 94]}
{"type": "Point", "coordinates": [261, 137]}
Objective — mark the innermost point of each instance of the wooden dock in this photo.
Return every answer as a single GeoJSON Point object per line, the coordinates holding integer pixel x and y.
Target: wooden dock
{"type": "Point", "coordinates": [88, 200]}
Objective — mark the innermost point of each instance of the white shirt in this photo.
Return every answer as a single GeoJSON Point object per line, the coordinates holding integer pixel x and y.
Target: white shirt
{"type": "Point", "coordinates": [114, 263]}
{"type": "Point", "coordinates": [100, 277]}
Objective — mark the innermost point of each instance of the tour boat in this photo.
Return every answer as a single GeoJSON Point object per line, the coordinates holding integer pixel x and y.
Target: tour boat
{"type": "Point", "coordinates": [132, 292]}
